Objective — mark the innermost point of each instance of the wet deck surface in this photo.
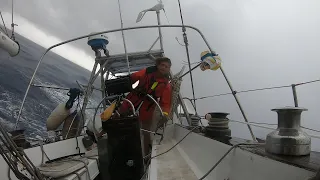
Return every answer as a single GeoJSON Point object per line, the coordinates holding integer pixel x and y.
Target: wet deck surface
{"type": "Point", "coordinates": [310, 162]}
{"type": "Point", "coordinates": [172, 166]}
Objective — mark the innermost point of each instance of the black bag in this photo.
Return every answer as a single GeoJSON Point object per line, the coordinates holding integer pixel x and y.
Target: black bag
{"type": "Point", "coordinates": [118, 86]}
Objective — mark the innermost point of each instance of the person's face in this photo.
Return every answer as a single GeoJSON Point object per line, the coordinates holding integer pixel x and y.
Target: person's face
{"type": "Point", "coordinates": [164, 68]}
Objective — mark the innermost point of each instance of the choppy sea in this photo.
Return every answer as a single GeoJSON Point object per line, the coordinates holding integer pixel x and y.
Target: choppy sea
{"type": "Point", "coordinates": [15, 74]}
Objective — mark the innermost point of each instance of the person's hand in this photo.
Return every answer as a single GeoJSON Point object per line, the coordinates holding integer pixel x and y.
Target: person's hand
{"type": "Point", "coordinates": [164, 119]}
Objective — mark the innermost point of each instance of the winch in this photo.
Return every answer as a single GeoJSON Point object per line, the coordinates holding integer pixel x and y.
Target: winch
{"type": "Point", "coordinates": [218, 126]}
{"type": "Point", "coordinates": [288, 139]}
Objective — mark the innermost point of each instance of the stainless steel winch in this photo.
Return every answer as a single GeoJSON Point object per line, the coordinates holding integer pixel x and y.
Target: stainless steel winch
{"type": "Point", "coordinates": [288, 139]}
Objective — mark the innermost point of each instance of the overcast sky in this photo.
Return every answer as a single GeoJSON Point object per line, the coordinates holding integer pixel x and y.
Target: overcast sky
{"type": "Point", "coordinates": [262, 43]}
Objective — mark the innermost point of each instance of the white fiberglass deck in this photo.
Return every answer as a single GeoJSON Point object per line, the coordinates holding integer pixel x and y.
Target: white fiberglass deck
{"type": "Point", "coordinates": [172, 165]}
{"type": "Point", "coordinates": [196, 154]}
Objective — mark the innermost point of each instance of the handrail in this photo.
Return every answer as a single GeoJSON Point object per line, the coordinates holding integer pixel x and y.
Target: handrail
{"type": "Point", "coordinates": [124, 29]}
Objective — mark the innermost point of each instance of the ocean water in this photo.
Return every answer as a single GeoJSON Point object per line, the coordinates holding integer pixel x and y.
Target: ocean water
{"type": "Point", "coordinates": [15, 74]}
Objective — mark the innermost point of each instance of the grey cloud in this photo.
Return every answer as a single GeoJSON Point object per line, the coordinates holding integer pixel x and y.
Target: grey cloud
{"type": "Point", "coordinates": [68, 19]}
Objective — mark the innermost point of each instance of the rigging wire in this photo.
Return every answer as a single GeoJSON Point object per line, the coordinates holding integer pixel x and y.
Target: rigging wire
{"type": "Point", "coordinates": [4, 24]}
{"type": "Point", "coordinates": [303, 127]}
{"type": "Point", "coordinates": [124, 41]}
{"type": "Point", "coordinates": [264, 127]}
{"type": "Point", "coordinates": [309, 129]}
{"type": "Point", "coordinates": [185, 38]}
{"type": "Point", "coordinates": [307, 82]}
{"type": "Point", "coordinates": [216, 95]}
{"type": "Point", "coordinates": [264, 123]}
{"type": "Point", "coordinates": [244, 91]}
{"type": "Point", "coordinates": [259, 89]}
{"type": "Point", "coordinates": [2, 29]}
{"type": "Point", "coordinates": [252, 124]}
{"type": "Point", "coordinates": [176, 38]}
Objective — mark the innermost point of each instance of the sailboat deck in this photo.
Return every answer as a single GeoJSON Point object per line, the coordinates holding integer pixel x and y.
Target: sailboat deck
{"type": "Point", "coordinates": [172, 165]}
{"type": "Point", "coordinates": [310, 162]}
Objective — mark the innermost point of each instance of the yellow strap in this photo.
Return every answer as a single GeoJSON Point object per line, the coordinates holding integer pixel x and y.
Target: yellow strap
{"type": "Point", "coordinates": [165, 113]}
{"type": "Point", "coordinates": [154, 85]}
{"type": "Point", "coordinates": [107, 113]}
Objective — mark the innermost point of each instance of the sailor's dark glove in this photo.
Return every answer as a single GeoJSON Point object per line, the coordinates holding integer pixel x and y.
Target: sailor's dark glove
{"type": "Point", "coordinates": [164, 119]}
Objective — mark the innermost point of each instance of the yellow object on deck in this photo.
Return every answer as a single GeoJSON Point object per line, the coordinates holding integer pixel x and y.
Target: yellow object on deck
{"type": "Point", "coordinates": [108, 112]}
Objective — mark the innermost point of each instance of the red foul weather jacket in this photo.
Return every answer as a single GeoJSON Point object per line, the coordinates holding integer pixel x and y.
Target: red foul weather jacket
{"type": "Point", "coordinates": [156, 87]}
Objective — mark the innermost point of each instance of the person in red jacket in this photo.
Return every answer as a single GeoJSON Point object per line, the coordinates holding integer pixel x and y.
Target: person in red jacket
{"type": "Point", "coordinates": [155, 82]}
